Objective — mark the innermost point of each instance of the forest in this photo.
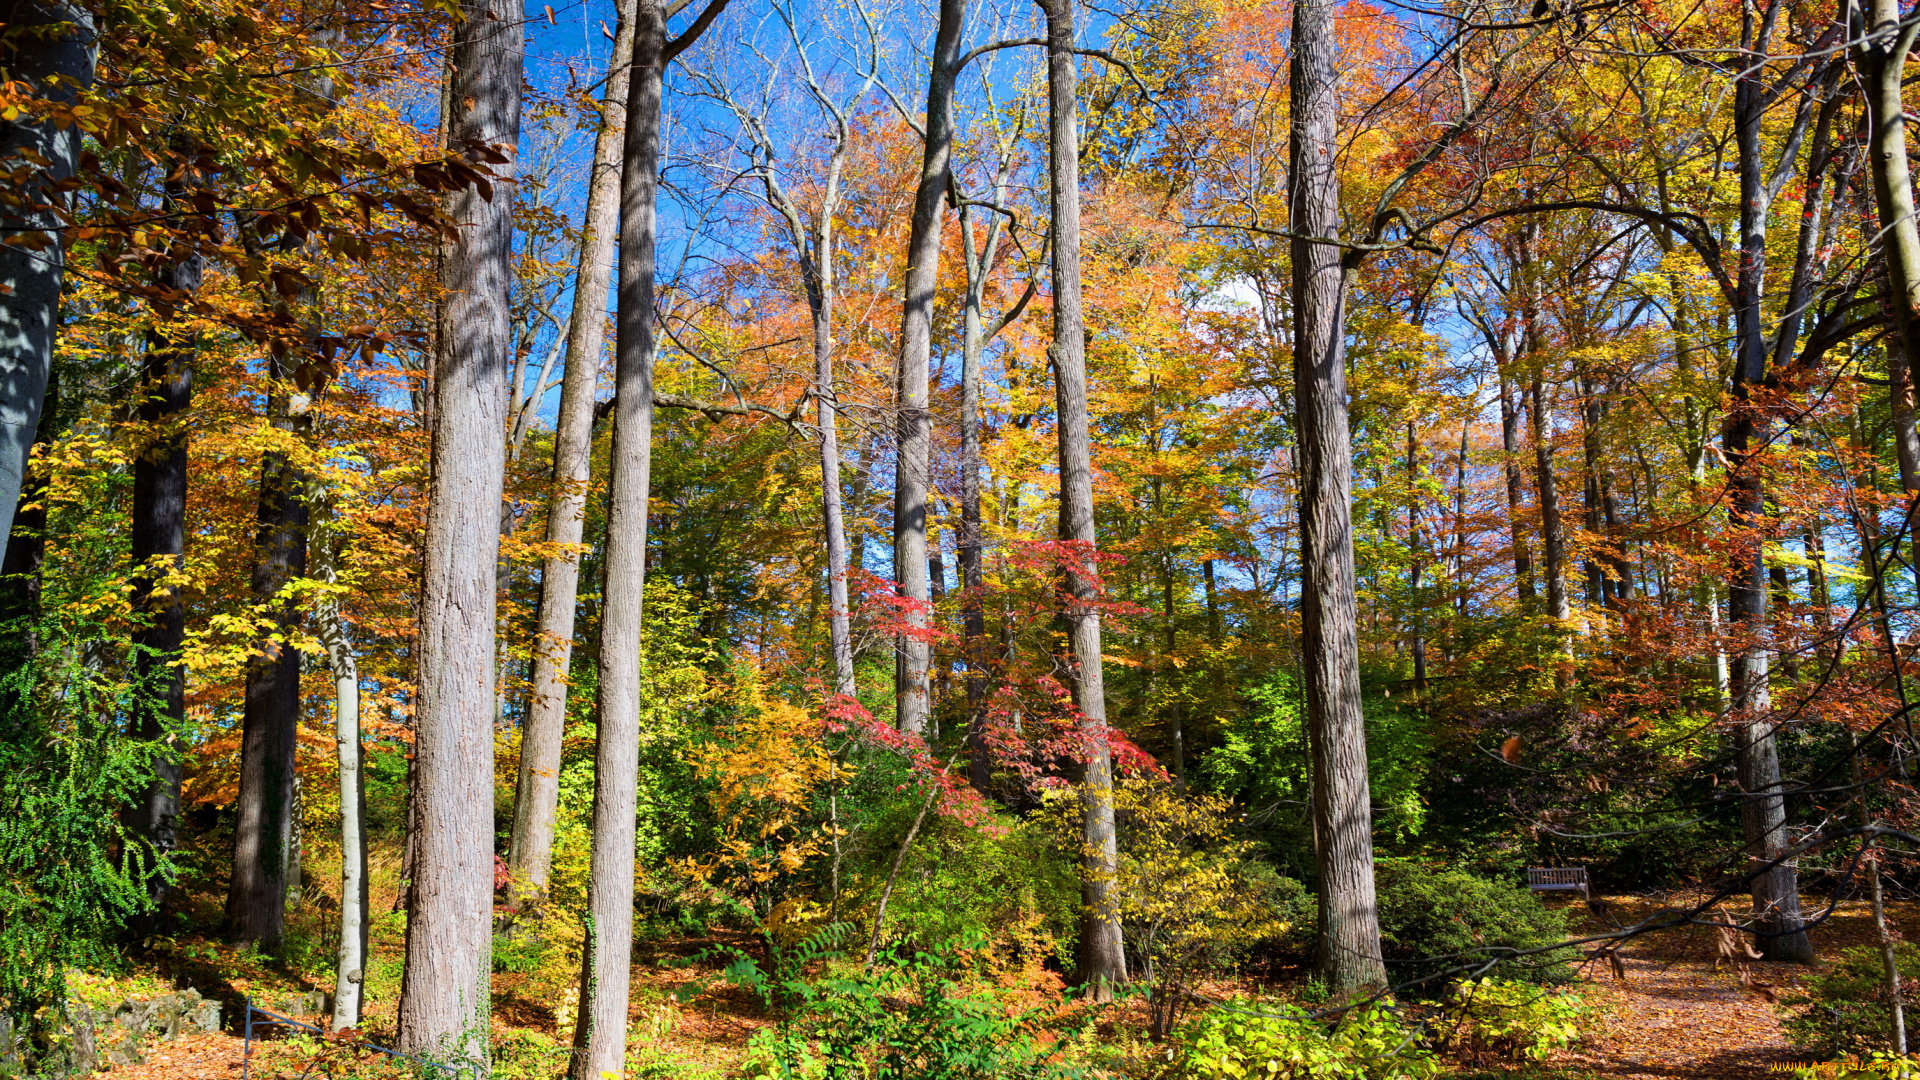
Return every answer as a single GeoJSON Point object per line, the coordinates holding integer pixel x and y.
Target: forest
{"type": "Point", "coordinates": [859, 539]}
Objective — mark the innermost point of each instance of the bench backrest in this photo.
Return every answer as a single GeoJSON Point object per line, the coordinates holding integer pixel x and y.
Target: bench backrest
{"type": "Point", "coordinates": [1556, 875]}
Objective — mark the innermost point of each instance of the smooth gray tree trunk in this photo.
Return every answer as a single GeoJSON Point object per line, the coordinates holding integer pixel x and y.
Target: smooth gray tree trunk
{"type": "Point", "coordinates": [537, 793]}
{"type": "Point", "coordinates": [1881, 45]}
{"type": "Point", "coordinates": [1516, 491]}
{"type": "Point", "coordinates": [445, 990]}
{"type": "Point", "coordinates": [31, 274]}
{"type": "Point", "coordinates": [600, 1033]}
{"type": "Point", "coordinates": [1103, 961]}
{"type": "Point", "coordinates": [350, 964]}
{"type": "Point", "coordinates": [913, 460]}
{"type": "Point", "coordinates": [1349, 931]}
{"type": "Point", "coordinates": [1744, 435]}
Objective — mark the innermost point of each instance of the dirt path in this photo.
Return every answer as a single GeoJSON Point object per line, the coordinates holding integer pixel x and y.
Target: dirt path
{"type": "Point", "coordinates": [1674, 1016]}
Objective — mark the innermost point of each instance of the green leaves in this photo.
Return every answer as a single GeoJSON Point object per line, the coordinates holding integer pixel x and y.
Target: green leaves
{"type": "Point", "coordinates": [1246, 1039]}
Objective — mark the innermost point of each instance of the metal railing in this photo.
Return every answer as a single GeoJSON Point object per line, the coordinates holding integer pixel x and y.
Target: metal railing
{"type": "Point", "coordinates": [470, 1070]}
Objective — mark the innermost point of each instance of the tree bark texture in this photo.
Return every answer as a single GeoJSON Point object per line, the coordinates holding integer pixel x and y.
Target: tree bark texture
{"type": "Point", "coordinates": [1776, 897]}
{"type": "Point", "coordinates": [32, 275]}
{"type": "Point", "coordinates": [262, 859]}
{"type": "Point", "coordinates": [159, 536]}
{"type": "Point", "coordinates": [331, 629]}
{"type": "Point", "coordinates": [445, 991]}
{"type": "Point", "coordinates": [26, 548]}
{"type": "Point", "coordinates": [913, 464]}
{"type": "Point", "coordinates": [1516, 489]}
{"type": "Point", "coordinates": [1342, 815]}
{"type": "Point", "coordinates": [537, 793]}
{"type": "Point", "coordinates": [1880, 56]}
{"type": "Point", "coordinates": [600, 1033]}
{"type": "Point", "coordinates": [1103, 962]}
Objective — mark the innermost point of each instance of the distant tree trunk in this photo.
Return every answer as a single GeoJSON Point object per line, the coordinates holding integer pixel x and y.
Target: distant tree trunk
{"type": "Point", "coordinates": [1590, 487]}
{"type": "Point", "coordinates": [1553, 535]}
{"type": "Point", "coordinates": [537, 792]}
{"type": "Point", "coordinates": [973, 616]}
{"type": "Point", "coordinates": [1776, 894]}
{"type": "Point", "coordinates": [1171, 629]}
{"type": "Point", "coordinates": [257, 893]}
{"type": "Point", "coordinates": [1349, 938]}
{"type": "Point", "coordinates": [1881, 46]}
{"type": "Point", "coordinates": [1416, 559]}
{"type": "Point", "coordinates": [1516, 490]}
{"type": "Point", "coordinates": [913, 460]}
{"type": "Point", "coordinates": [600, 1033]}
{"type": "Point", "coordinates": [30, 280]}
{"type": "Point", "coordinates": [975, 334]}
{"type": "Point", "coordinates": [445, 990]}
{"type": "Point", "coordinates": [1103, 962]}
{"type": "Point", "coordinates": [832, 516]}
{"type": "Point", "coordinates": [159, 547]}
{"type": "Point", "coordinates": [331, 629]}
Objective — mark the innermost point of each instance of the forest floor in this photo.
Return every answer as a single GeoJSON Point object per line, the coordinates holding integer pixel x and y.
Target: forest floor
{"type": "Point", "coordinates": [1673, 1015]}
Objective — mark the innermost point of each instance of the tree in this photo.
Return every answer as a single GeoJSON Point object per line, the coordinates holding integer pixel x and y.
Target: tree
{"type": "Point", "coordinates": [1881, 42]}
{"type": "Point", "coordinates": [445, 990]}
{"type": "Point", "coordinates": [913, 456]}
{"type": "Point", "coordinates": [1349, 939]}
{"type": "Point", "coordinates": [159, 549]}
{"type": "Point", "coordinates": [809, 226]}
{"type": "Point", "coordinates": [50, 45]}
{"type": "Point", "coordinates": [537, 794]}
{"type": "Point", "coordinates": [1103, 961]}
{"type": "Point", "coordinates": [600, 1035]}
{"type": "Point", "coordinates": [265, 832]}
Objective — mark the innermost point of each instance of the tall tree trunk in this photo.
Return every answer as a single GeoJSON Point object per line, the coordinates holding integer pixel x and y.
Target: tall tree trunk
{"type": "Point", "coordinates": [537, 791]}
{"type": "Point", "coordinates": [26, 547]}
{"type": "Point", "coordinates": [827, 414]}
{"type": "Point", "coordinates": [1776, 897]}
{"type": "Point", "coordinates": [1349, 938]}
{"type": "Point", "coordinates": [257, 893]}
{"type": "Point", "coordinates": [351, 962]}
{"type": "Point", "coordinates": [1416, 560]}
{"type": "Point", "coordinates": [159, 548]}
{"type": "Point", "coordinates": [1881, 45]}
{"type": "Point", "coordinates": [1516, 490]}
{"type": "Point", "coordinates": [30, 280]}
{"type": "Point", "coordinates": [444, 1003]}
{"type": "Point", "coordinates": [973, 628]}
{"type": "Point", "coordinates": [1103, 961]}
{"type": "Point", "coordinates": [600, 1033]}
{"type": "Point", "coordinates": [913, 460]}
{"type": "Point", "coordinates": [1553, 536]}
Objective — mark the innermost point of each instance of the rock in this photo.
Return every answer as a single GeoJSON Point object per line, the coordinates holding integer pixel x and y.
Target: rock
{"type": "Point", "coordinates": [90, 1038]}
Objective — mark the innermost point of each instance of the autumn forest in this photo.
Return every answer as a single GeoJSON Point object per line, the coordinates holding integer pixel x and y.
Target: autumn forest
{"type": "Point", "coordinates": [1176, 539]}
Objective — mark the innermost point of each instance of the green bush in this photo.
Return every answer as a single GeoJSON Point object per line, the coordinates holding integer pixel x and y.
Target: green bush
{"type": "Point", "coordinates": [518, 954]}
{"type": "Point", "coordinates": [1239, 1040]}
{"type": "Point", "coordinates": [1511, 1019]}
{"type": "Point", "coordinates": [909, 1017]}
{"type": "Point", "coordinates": [1433, 920]}
{"type": "Point", "coordinates": [1844, 1011]}
{"type": "Point", "coordinates": [997, 880]}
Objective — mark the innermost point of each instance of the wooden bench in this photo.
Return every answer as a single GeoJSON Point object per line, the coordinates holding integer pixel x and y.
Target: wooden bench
{"type": "Point", "coordinates": [1558, 879]}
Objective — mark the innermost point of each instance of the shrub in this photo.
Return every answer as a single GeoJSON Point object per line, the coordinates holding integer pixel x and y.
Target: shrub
{"type": "Point", "coordinates": [1510, 1019]}
{"type": "Point", "coordinates": [1844, 1010]}
{"type": "Point", "coordinates": [1433, 920]}
{"type": "Point", "coordinates": [909, 1017]}
{"type": "Point", "coordinates": [997, 879]}
{"type": "Point", "coordinates": [1237, 1041]}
